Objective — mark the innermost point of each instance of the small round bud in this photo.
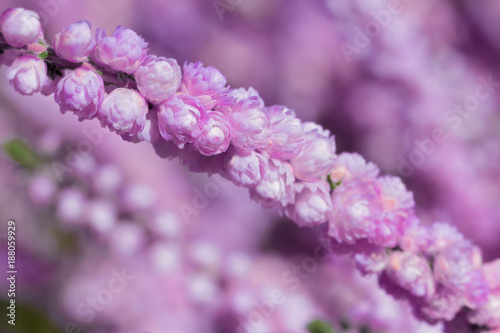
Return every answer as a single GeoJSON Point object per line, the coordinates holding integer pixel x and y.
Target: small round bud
{"type": "Point", "coordinates": [124, 111]}
{"type": "Point", "coordinates": [20, 26]}
{"type": "Point", "coordinates": [75, 42]}
{"type": "Point", "coordinates": [124, 51]}
{"type": "Point", "coordinates": [158, 79]}
{"type": "Point", "coordinates": [80, 91]}
{"type": "Point", "coordinates": [28, 74]}
{"type": "Point", "coordinates": [215, 134]}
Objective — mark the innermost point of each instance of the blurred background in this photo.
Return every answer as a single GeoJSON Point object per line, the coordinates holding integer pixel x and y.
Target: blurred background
{"type": "Point", "coordinates": [111, 238]}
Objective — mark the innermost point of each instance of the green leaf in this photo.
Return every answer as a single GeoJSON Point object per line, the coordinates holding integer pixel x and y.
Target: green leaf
{"type": "Point", "coordinates": [43, 55]}
{"type": "Point", "coordinates": [99, 72]}
{"type": "Point", "coordinates": [319, 326]}
{"type": "Point", "coordinates": [28, 320]}
{"type": "Point", "coordinates": [18, 151]}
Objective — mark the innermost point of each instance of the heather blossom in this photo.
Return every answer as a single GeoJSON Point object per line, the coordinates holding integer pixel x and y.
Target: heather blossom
{"type": "Point", "coordinates": [124, 51]}
{"type": "Point", "coordinates": [80, 91]}
{"type": "Point", "coordinates": [123, 111]}
{"type": "Point", "coordinates": [27, 74]}
{"type": "Point", "coordinates": [75, 42]}
{"type": "Point", "coordinates": [20, 26]}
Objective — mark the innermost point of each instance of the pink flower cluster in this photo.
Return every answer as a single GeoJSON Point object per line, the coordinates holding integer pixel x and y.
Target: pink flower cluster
{"type": "Point", "coordinates": [195, 116]}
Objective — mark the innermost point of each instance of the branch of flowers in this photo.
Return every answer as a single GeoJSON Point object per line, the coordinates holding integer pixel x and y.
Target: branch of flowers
{"type": "Point", "coordinates": [193, 115]}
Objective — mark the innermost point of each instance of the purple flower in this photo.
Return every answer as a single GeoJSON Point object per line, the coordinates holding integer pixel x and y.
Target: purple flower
{"type": "Point", "coordinates": [20, 26]}
{"type": "Point", "coordinates": [80, 91]}
{"type": "Point", "coordinates": [415, 239]}
{"type": "Point", "coordinates": [123, 111]}
{"type": "Point", "coordinates": [75, 42]}
{"type": "Point", "coordinates": [107, 179]}
{"type": "Point", "coordinates": [491, 273]}
{"type": "Point", "coordinates": [179, 118]}
{"type": "Point", "coordinates": [311, 205]}
{"type": "Point", "coordinates": [42, 190]}
{"type": "Point", "coordinates": [216, 132]}
{"type": "Point", "coordinates": [441, 236]}
{"type": "Point", "coordinates": [276, 185]}
{"type": "Point", "coordinates": [379, 210]}
{"type": "Point", "coordinates": [412, 272]}
{"type": "Point", "coordinates": [350, 166]}
{"type": "Point", "coordinates": [250, 126]}
{"type": "Point", "coordinates": [71, 205]}
{"type": "Point", "coordinates": [206, 83]}
{"type": "Point", "coordinates": [28, 74]}
{"type": "Point", "coordinates": [150, 133]}
{"type": "Point", "coordinates": [487, 314]}
{"type": "Point", "coordinates": [241, 94]}
{"type": "Point", "coordinates": [158, 78]}
{"type": "Point", "coordinates": [457, 268]}
{"type": "Point", "coordinates": [443, 305]}
{"type": "Point", "coordinates": [137, 197]}
{"type": "Point", "coordinates": [316, 156]}
{"type": "Point", "coordinates": [101, 215]}
{"type": "Point", "coordinates": [369, 258]}
{"type": "Point", "coordinates": [247, 170]}
{"type": "Point", "coordinates": [287, 135]}
{"type": "Point", "coordinates": [124, 51]}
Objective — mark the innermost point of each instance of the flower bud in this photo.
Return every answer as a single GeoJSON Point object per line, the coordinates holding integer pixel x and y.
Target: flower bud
{"type": "Point", "coordinates": [287, 135]}
{"type": "Point", "coordinates": [20, 26]}
{"type": "Point", "coordinates": [215, 134]}
{"type": "Point", "coordinates": [123, 111]}
{"type": "Point", "coordinates": [316, 157]}
{"type": "Point", "coordinates": [28, 74]}
{"type": "Point", "coordinates": [411, 272]}
{"type": "Point", "coordinates": [276, 185]}
{"type": "Point", "coordinates": [158, 79]}
{"type": "Point", "coordinates": [80, 91]}
{"type": "Point", "coordinates": [250, 126]}
{"type": "Point", "coordinates": [124, 51]}
{"type": "Point", "coordinates": [247, 170]}
{"type": "Point", "coordinates": [206, 83]}
{"type": "Point", "coordinates": [75, 42]}
{"type": "Point", "coordinates": [312, 204]}
{"type": "Point", "coordinates": [178, 119]}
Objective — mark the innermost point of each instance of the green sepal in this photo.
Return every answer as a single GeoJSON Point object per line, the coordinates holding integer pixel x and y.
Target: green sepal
{"type": "Point", "coordinates": [333, 185]}
{"type": "Point", "coordinates": [43, 55]}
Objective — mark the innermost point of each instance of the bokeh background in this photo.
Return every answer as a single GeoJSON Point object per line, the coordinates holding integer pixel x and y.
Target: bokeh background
{"type": "Point", "coordinates": [111, 238]}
